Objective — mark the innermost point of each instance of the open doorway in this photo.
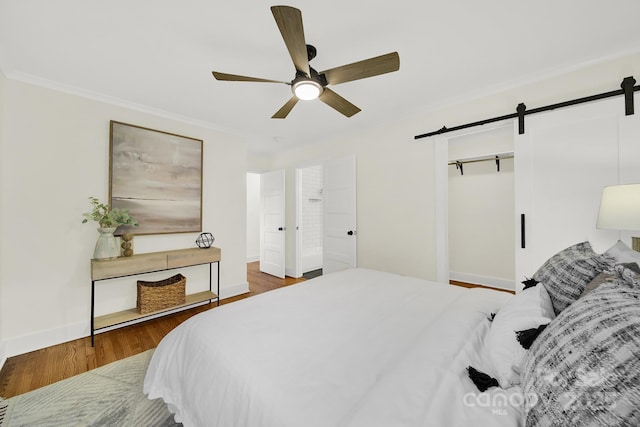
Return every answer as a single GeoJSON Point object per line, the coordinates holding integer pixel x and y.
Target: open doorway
{"type": "Point", "coordinates": [309, 194]}
{"type": "Point", "coordinates": [481, 208]}
{"type": "Point", "coordinates": [475, 206]}
{"type": "Point", "coordinates": [266, 221]}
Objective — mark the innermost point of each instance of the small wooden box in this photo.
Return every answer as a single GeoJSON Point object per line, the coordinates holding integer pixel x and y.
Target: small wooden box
{"type": "Point", "coordinates": [160, 295]}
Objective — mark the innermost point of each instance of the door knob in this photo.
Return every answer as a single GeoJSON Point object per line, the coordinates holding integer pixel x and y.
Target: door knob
{"type": "Point", "coordinates": [280, 228]}
{"type": "Point", "coordinates": [351, 232]}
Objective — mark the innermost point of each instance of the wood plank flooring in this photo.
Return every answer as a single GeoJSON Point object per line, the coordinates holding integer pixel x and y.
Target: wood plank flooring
{"type": "Point", "coordinates": [36, 369]}
{"type": "Point", "coordinates": [472, 285]}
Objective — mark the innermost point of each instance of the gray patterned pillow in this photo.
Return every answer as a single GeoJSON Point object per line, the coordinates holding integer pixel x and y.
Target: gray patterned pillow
{"type": "Point", "coordinates": [623, 253]}
{"type": "Point", "coordinates": [584, 369]}
{"type": "Point", "coordinates": [567, 273]}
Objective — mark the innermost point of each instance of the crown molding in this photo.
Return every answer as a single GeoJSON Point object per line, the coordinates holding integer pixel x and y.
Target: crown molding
{"type": "Point", "coordinates": [111, 100]}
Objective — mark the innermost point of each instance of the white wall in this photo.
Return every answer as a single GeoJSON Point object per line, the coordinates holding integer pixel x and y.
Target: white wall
{"type": "Point", "coordinates": [2, 112]}
{"type": "Point", "coordinates": [395, 174]}
{"type": "Point", "coordinates": [310, 223]}
{"type": "Point", "coordinates": [55, 154]}
{"type": "Point", "coordinates": [391, 217]}
{"type": "Point", "coordinates": [312, 207]}
{"type": "Point", "coordinates": [253, 217]}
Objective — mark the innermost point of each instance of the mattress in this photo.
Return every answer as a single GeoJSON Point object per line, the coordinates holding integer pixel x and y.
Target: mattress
{"type": "Point", "coordinates": [353, 348]}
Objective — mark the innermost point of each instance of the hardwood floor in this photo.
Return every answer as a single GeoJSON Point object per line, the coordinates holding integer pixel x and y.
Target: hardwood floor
{"type": "Point", "coordinates": [36, 369]}
{"type": "Point", "coordinates": [472, 285]}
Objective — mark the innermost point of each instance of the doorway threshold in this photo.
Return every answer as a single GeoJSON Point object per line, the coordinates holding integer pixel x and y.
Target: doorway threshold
{"type": "Point", "coordinates": [313, 273]}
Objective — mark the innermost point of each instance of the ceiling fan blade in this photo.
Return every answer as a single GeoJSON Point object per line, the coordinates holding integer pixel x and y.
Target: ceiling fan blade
{"type": "Point", "coordinates": [362, 69]}
{"type": "Point", "coordinates": [338, 103]}
{"type": "Point", "coordinates": [236, 78]}
{"type": "Point", "coordinates": [286, 108]}
{"type": "Point", "coordinates": [289, 20]}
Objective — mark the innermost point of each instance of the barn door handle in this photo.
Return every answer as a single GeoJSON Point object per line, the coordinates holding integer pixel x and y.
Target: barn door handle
{"type": "Point", "coordinates": [522, 232]}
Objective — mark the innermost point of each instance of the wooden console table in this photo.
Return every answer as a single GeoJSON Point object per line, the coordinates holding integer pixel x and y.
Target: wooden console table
{"type": "Point", "coordinates": [149, 263]}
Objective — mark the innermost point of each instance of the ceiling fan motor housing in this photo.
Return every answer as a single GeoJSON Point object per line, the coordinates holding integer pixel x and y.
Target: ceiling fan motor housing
{"type": "Point", "coordinates": [308, 87]}
{"type": "Point", "coordinates": [311, 52]}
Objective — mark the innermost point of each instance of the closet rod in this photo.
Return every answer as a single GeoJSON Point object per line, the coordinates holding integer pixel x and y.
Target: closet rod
{"type": "Point", "coordinates": [496, 159]}
{"type": "Point", "coordinates": [627, 90]}
{"type": "Point", "coordinates": [492, 159]}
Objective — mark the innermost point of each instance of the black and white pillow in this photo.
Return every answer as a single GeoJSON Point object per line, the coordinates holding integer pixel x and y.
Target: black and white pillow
{"type": "Point", "coordinates": [584, 369]}
{"type": "Point", "coordinates": [567, 273]}
{"type": "Point", "coordinates": [628, 273]}
{"type": "Point", "coordinates": [527, 310]}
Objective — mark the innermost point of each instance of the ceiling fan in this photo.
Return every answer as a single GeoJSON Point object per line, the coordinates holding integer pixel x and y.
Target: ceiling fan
{"type": "Point", "coordinates": [308, 83]}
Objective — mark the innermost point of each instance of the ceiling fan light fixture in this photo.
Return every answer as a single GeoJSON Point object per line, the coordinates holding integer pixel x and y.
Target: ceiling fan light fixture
{"type": "Point", "coordinates": [307, 89]}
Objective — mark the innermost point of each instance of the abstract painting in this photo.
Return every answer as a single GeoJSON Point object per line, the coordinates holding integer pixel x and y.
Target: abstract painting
{"type": "Point", "coordinates": [157, 177]}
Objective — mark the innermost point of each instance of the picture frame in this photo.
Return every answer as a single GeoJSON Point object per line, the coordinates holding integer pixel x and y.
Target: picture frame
{"type": "Point", "coordinates": [157, 177]}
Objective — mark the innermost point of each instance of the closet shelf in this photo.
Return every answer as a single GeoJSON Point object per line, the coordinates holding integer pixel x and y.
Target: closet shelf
{"type": "Point", "coordinates": [493, 157]}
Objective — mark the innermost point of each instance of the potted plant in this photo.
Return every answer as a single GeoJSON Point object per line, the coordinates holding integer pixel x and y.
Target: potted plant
{"type": "Point", "coordinates": [108, 219]}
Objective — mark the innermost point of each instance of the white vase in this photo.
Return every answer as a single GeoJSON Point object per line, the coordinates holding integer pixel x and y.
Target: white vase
{"type": "Point", "coordinates": [106, 246]}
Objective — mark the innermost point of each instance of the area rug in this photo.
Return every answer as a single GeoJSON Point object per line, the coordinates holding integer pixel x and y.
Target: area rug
{"type": "Point", "coordinates": [107, 396]}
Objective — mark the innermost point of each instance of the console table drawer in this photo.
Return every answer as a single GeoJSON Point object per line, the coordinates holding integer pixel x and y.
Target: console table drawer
{"type": "Point", "coordinates": [125, 266]}
{"type": "Point", "coordinates": [187, 257]}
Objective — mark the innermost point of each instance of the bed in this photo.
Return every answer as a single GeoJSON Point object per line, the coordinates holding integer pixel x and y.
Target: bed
{"type": "Point", "coordinates": [368, 348]}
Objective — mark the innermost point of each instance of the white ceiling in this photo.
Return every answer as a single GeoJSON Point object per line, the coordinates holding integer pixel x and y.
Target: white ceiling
{"type": "Point", "coordinates": [160, 54]}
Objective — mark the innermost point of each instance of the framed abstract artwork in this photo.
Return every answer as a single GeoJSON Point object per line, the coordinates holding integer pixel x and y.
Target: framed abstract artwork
{"type": "Point", "coordinates": [157, 177]}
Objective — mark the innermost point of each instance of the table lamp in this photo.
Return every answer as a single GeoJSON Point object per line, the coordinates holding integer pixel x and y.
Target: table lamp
{"type": "Point", "coordinates": [620, 210]}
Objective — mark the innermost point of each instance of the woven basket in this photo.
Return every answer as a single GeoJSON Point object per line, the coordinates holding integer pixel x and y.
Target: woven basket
{"type": "Point", "coordinates": [155, 296]}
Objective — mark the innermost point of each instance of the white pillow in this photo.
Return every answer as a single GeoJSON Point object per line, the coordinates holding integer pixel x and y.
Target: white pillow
{"type": "Point", "coordinates": [623, 253]}
{"type": "Point", "coordinates": [528, 309]}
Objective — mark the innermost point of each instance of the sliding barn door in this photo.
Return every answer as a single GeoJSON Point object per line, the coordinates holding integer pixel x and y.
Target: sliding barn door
{"type": "Point", "coordinates": [339, 214]}
{"type": "Point", "coordinates": [563, 161]}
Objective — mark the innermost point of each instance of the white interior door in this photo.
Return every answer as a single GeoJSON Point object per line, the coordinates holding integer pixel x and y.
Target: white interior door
{"type": "Point", "coordinates": [272, 223]}
{"type": "Point", "coordinates": [339, 214]}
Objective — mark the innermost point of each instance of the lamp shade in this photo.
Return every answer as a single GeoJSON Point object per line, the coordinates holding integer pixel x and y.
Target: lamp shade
{"type": "Point", "coordinates": [620, 207]}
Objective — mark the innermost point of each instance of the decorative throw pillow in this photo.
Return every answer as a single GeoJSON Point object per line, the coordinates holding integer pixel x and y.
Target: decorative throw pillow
{"type": "Point", "coordinates": [567, 273]}
{"type": "Point", "coordinates": [625, 276]}
{"type": "Point", "coordinates": [528, 309]}
{"type": "Point", "coordinates": [584, 368]}
{"type": "Point", "coordinates": [633, 266]}
{"type": "Point", "coordinates": [623, 253]}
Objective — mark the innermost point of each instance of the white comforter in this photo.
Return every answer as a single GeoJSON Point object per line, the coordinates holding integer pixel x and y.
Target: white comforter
{"type": "Point", "coordinates": [355, 348]}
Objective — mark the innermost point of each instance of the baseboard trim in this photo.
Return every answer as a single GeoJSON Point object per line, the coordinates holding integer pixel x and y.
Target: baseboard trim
{"type": "Point", "coordinates": [25, 344]}
{"type": "Point", "coordinates": [47, 338]}
{"type": "Point", "coordinates": [234, 290]}
{"type": "Point", "coordinates": [475, 279]}
{"type": "Point", "coordinates": [253, 258]}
